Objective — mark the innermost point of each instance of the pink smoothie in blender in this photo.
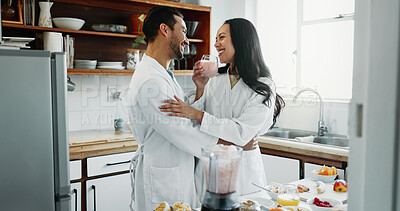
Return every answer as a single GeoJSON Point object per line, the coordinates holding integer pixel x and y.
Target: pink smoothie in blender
{"type": "Point", "coordinates": [221, 166]}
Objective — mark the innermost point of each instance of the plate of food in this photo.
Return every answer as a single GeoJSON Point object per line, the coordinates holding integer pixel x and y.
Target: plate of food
{"type": "Point", "coordinates": [257, 202]}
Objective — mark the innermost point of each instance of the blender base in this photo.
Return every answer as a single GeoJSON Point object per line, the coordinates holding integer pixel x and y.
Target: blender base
{"type": "Point", "coordinates": [220, 202]}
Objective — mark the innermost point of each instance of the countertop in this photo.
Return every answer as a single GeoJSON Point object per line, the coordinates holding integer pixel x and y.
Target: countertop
{"type": "Point", "coordinates": [90, 143]}
{"type": "Point", "coordinates": [304, 148]}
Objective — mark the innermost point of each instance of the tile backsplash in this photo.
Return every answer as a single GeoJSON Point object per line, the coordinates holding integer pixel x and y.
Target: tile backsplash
{"type": "Point", "coordinates": [88, 108]}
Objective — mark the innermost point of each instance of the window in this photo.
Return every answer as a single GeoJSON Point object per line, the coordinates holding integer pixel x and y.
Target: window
{"type": "Point", "coordinates": [308, 43]}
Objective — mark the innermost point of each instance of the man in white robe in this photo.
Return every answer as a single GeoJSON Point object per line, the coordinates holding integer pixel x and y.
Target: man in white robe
{"type": "Point", "coordinates": [164, 164]}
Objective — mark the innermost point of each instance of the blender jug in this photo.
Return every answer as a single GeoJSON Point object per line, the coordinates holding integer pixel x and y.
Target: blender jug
{"type": "Point", "coordinates": [221, 167]}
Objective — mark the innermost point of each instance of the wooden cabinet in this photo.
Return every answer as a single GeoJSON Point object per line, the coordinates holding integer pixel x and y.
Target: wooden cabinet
{"type": "Point", "coordinates": [280, 169]}
{"type": "Point", "coordinates": [109, 193]}
{"type": "Point", "coordinates": [107, 46]}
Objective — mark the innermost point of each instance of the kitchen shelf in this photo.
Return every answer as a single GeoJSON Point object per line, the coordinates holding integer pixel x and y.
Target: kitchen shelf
{"type": "Point", "coordinates": [117, 72]}
{"type": "Point", "coordinates": [139, 5]}
{"type": "Point", "coordinates": [108, 34]}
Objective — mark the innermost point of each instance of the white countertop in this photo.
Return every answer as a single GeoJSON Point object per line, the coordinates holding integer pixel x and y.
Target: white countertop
{"type": "Point", "coordinates": [321, 148]}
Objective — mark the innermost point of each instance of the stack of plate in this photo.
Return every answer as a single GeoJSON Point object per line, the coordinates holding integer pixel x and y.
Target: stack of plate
{"type": "Point", "coordinates": [85, 64]}
{"type": "Point", "coordinates": [110, 65]}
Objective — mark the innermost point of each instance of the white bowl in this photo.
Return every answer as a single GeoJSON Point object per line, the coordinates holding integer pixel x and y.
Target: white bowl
{"type": "Point", "coordinates": [274, 190]}
{"type": "Point", "coordinates": [314, 207]}
{"type": "Point", "coordinates": [323, 178]}
{"type": "Point", "coordinates": [85, 62]}
{"type": "Point", "coordinates": [68, 23]}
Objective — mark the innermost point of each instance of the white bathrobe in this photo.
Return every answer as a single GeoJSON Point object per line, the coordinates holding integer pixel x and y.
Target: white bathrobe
{"type": "Point", "coordinates": [237, 115]}
{"type": "Point", "coordinates": [165, 160]}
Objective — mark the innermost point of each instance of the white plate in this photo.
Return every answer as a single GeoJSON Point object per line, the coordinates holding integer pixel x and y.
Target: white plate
{"type": "Point", "coordinates": [86, 62]}
{"type": "Point", "coordinates": [109, 63]}
{"type": "Point", "coordinates": [268, 203]}
{"type": "Point", "coordinates": [85, 67]}
{"type": "Point", "coordinates": [111, 67]}
{"type": "Point", "coordinates": [18, 39]}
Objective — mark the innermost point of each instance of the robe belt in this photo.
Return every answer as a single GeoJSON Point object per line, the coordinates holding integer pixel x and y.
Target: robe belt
{"type": "Point", "coordinates": [137, 157]}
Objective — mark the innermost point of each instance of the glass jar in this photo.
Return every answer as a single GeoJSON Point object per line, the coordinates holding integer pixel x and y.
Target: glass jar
{"type": "Point", "coordinates": [7, 11]}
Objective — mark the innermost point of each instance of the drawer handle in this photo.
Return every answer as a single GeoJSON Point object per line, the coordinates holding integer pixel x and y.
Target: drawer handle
{"type": "Point", "coordinates": [76, 199]}
{"type": "Point", "coordinates": [118, 163]}
{"type": "Point", "coordinates": [94, 197]}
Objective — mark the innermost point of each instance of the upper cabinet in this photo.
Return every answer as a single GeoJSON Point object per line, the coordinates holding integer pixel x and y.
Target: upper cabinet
{"type": "Point", "coordinates": [109, 46]}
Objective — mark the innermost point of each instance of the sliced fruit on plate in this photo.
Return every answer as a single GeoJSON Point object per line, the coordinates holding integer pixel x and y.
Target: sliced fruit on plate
{"type": "Point", "coordinates": [302, 188]}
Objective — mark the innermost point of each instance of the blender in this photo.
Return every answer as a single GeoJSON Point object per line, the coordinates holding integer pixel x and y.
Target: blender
{"type": "Point", "coordinates": [221, 167]}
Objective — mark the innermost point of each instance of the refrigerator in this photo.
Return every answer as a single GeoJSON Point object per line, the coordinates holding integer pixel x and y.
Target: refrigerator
{"type": "Point", "coordinates": [34, 152]}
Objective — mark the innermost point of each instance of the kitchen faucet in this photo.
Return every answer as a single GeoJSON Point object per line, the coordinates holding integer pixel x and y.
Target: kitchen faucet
{"type": "Point", "coordinates": [322, 129]}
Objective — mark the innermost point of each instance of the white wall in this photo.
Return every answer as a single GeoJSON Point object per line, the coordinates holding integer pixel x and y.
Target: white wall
{"type": "Point", "coordinates": [304, 115]}
{"type": "Point", "coordinates": [88, 108]}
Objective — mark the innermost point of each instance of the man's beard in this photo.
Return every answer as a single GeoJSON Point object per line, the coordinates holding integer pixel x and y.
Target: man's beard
{"type": "Point", "coordinates": [175, 46]}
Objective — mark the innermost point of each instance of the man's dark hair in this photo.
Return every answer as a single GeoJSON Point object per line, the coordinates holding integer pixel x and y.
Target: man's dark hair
{"type": "Point", "coordinates": [155, 17]}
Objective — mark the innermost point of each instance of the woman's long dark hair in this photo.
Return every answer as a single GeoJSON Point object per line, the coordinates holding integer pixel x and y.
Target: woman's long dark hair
{"type": "Point", "coordinates": [249, 62]}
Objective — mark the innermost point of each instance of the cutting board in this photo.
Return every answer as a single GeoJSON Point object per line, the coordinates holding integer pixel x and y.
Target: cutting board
{"type": "Point", "coordinates": [329, 192]}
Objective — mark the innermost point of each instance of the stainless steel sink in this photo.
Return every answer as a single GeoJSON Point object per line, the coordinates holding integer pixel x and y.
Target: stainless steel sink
{"type": "Point", "coordinates": [335, 141]}
{"type": "Point", "coordinates": [291, 134]}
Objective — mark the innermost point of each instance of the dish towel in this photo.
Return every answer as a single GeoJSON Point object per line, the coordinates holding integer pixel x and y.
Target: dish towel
{"type": "Point", "coordinates": [308, 139]}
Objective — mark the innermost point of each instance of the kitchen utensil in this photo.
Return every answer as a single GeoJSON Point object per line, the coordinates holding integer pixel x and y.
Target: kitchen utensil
{"type": "Point", "coordinates": [71, 85]}
{"type": "Point", "coordinates": [191, 28]}
{"type": "Point", "coordinates": [110, 28]}
{"type": "Point", "coordinates": [221, 164]}
{"type": "Point", "coordinates": [68, 23]}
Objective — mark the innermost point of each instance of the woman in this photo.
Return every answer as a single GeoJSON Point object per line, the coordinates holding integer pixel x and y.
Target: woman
{"type": "Point", "coordinates": [238, 103]}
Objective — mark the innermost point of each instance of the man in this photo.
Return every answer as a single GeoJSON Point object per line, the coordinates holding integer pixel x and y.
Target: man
{"type": "Point", "coordinates": [164, 164]}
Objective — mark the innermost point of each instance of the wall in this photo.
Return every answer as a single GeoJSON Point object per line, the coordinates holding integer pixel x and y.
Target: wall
{"type": "Point", "coordinates": [88, 108]}
{"type": "Point", "coordinates": [303, 115]}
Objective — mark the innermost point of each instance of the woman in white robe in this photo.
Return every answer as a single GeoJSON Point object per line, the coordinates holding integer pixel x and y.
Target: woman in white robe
{"type": "Point", "coordinates": [239, 103]}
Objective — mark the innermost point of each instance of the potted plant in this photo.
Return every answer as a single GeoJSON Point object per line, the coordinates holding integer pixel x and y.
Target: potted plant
{"type": "Point", "coordinates": [137, 23]}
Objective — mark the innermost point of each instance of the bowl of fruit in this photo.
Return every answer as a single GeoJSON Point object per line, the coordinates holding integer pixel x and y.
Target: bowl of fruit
{"type": "Point", "coordinates": [325, 174]}
{"type": "Point", "coordinates": [323, 204]}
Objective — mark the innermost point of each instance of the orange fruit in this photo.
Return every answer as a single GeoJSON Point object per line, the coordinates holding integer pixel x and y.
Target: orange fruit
{"type": "Point", "coordinates": [334, 170]}
{"type": "Point", "coordinates": [325, 170]}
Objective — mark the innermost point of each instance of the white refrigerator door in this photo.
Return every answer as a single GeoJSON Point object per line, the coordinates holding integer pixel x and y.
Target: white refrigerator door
{"type": "Point", "coordinates": [26, 131]}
